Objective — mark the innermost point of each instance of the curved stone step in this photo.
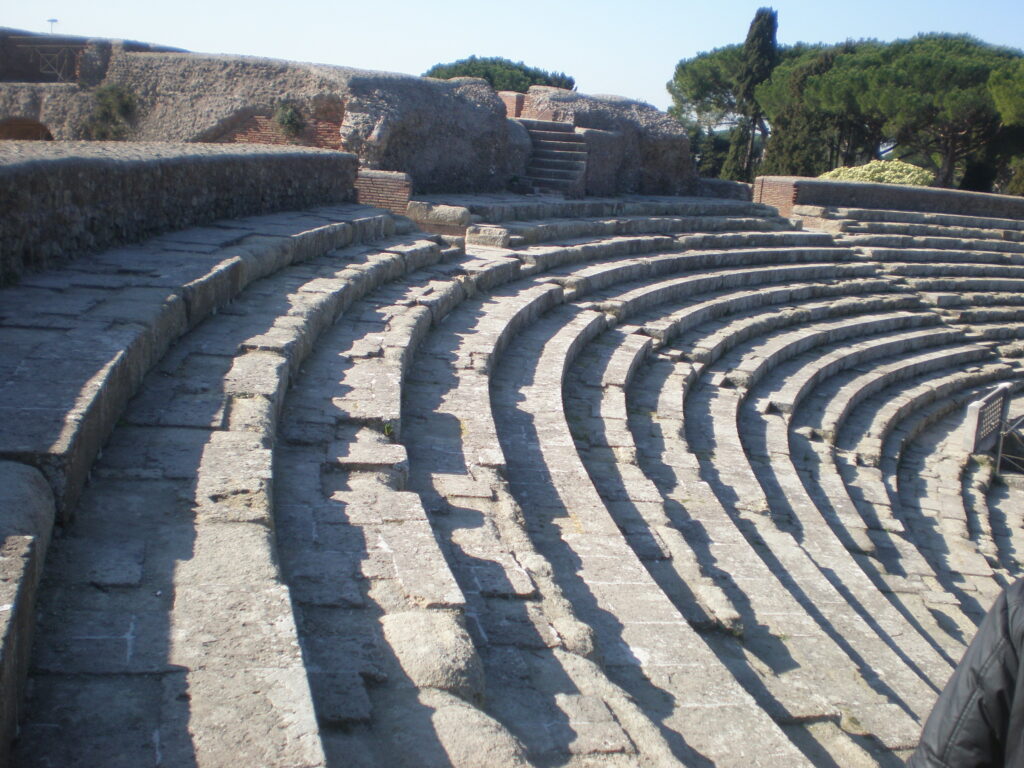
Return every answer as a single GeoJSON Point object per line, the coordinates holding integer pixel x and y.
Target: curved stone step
{"type": "Point", "coordinates": [801, 382]}
{"type": "Point", "coordinates": [517, 612]}
{"type": "Point", "coordinates": [857, 496]}
{"type": "Point", "coordinates": [573, 522]}
{"type": "Point", "coordinates": [876, 379]}
{"type": "Point", "coordinates": [1005, 517]}
{"type": "Point", "coordinates": [98, 326]}
{"type": "Point", "coordinates": [498, 207]}
{"type": "Point", "coordinates": [735, 553]}
{"type": "Point", "coordinates": [516, 234]}
{"type": "Point", "coordinates": [763, 357]}
{"type": "Point", "coordinates": [933, 255]}
{"type": "Point", "coordinates": [695, 247]}
{"type": "Point", "coordinates": [805, 692]}
{"type": "Point", "coordinates": [713, 273]}
{"type": "Point", "coordinates": [706, 345]}
{"type": "Point", "coordinates": [384, 544]}
{"type": "Point", "coordinates": [867, 446]}
{"type": "Point", "coordinates": [930, 230]}
{"type": "Point", "coordinates": [839, 214]}
{"type": "Point", "coordinates": [938, 244]}
{"type": "Point", "coordinates": [808, 547]}
{"type": "Point", "coordinates": [956, 388]}
{"type": "Point", "coordinates": [869, 497]}
{"type": "Point", "coordinates": [971, 285]}
{"type": "Point", "coordinates": [182, 492]}
{"type": "Point", "coordinates": [938, 458]}
{"type": "Point", "coordinates": [943, 269]}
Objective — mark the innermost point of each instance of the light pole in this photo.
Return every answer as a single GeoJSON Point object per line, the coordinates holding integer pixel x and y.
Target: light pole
{"type": "Point", "coordinates": [52, 22]}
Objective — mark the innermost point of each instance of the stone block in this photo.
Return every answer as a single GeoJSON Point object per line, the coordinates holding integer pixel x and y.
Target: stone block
{"type": "Point", "coordinates": [435, 651]}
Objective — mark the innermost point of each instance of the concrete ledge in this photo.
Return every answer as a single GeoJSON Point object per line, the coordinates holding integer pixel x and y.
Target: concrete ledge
{"type": "Point", "coordinates": [63, 199]}
{"type": "Point", "coordinates": [26, 520]}
{"type": "Point", "coordinates": [784, 192]}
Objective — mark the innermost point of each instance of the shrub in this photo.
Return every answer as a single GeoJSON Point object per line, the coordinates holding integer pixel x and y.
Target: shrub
{"type": "Point", "coordinates": [883, 172]}
{"type": "Point", "coordinates": [290, 119]}
{"type": "Point", "coordinates": [501, 74]}
{"type": "Point", "coordinates": [112, 114]}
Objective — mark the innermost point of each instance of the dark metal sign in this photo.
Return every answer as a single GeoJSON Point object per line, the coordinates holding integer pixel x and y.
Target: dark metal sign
{"type": "Point", "coordinates": [985, 419]}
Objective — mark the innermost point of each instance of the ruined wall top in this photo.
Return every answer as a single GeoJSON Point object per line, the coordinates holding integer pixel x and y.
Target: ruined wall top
{"type": "Point", "coordinates": [63, 198]}
{"type": "Point", "coordinates": [448, 135]}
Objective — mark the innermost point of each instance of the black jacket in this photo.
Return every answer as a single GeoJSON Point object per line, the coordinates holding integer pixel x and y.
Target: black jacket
{"type": "Point", "coordinates": [979, 718]}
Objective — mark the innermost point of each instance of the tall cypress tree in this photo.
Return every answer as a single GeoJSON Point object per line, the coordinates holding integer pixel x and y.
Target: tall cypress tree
{"type": "Point", "coordinates": [760, 55]}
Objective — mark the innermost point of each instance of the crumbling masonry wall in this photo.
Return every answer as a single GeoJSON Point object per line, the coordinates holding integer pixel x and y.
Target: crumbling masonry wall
{"type": "Point", "coordinates": [454, 135]}
{"type": "Point", "coordinates": [61, 199]}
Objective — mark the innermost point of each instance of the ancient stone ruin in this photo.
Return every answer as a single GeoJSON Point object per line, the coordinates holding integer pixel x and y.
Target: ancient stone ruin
{"type": "Point", "coordinates": [502, 479]}
{"type": "Point", "coordinates": [448, 135]}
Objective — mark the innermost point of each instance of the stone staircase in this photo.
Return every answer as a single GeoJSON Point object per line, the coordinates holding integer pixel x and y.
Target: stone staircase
{"type": "Point", "coordinates": [558, 160]}
{"type": "Point", "coordinates": [595, 482]}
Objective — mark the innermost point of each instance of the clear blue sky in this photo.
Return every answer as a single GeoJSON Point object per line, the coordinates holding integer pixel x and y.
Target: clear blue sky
{"type": "Point", "coordinates": [625, 48]}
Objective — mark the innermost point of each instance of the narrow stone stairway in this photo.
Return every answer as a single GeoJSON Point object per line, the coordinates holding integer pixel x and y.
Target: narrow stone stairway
{"type": "Point", "coordinates": [558, 162]}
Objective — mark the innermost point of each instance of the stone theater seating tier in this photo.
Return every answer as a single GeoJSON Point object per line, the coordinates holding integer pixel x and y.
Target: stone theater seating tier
{"type": "Point", "coordinates": [609, 481]}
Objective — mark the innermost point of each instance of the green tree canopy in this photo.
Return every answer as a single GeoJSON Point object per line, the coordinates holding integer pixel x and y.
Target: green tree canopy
{"type": "Point", "coordinates": [949, 103]}
{"type": "Point", "coordinates": [502, 74]}
{"type": "Point", "coordinates": [799, 143]}
{"type": "Point", "coordinates": [704, 88]}
{"type": "Point", "coordinates": [717, 89]}
{"type": "Point", "coordinates": [1006, 85]}
{"type": "Point", "coordinates": [812, 104]}
{"type": "Point", "coordinates": [933, 92]}
{"type": "Point", "coordinates": [760, 55]}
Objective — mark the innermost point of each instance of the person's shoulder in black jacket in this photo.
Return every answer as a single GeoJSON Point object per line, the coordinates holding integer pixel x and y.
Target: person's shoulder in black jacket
{"type": "Point", "coordinates": [978, 719]}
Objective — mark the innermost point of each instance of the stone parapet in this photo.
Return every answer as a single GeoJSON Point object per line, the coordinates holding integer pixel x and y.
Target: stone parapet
{"type": "Point", "coordinates": [784, 192]}
{"type": "Point", "coordinates": [60, 200]}
{"type": "Point", "coordinates": [26, 521]}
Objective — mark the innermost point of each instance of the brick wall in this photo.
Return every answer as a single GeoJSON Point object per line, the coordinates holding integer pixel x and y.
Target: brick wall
{"type": "Point", "coordinates": [262, 129]}
{"type": "Point", "coordinates": [530, 110]}
{"type": "Point", "coordinates": [384, 189]}
{"type": "Point", "coordinates": [777, 191]}
{"type": "Point", "coordinates": [60, 199]}
{"type": "Point", "coordinates": [513, 102]}
{"type": "Point", "coordinates": [784, 192]}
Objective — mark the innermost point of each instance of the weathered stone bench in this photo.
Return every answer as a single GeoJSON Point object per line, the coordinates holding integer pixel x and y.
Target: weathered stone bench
{"type": "Point", "coordinates": [634, 500]}
{"type": "Point", "coordinates": [216, 398]}
{"type": "Point", "coordinates": [834, 217]}
{"type": "Point", "coordinates": [520, 234]}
